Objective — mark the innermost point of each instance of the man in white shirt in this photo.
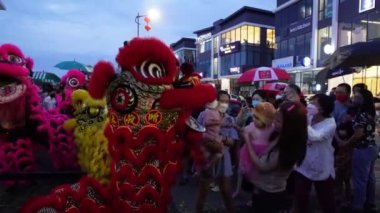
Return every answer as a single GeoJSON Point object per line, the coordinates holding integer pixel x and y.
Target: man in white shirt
{"type": "Point", "coordinates": [50, 103]}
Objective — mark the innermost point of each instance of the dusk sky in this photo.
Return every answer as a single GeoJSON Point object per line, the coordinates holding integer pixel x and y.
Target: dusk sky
{"type": "Point", "coordinates": [51, 31]}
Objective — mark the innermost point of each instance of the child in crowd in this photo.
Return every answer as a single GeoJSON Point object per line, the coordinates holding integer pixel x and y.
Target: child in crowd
{"type": "Point", "coordinates": [258, 134]}
{"type": "Point", "coordinates": [343, 157]}
{"type": "Point", "coordinates": [212, 145]}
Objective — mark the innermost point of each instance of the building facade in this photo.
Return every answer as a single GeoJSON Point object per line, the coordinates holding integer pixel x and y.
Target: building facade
{"type": "Point", "coordinates": [309, 31]}
{"type": "Point", "coordinates": [231, 46]}
{"type": "Point", "coordinates": [359, 21]}
{"type": "Point", "coordinates": [2, 6]}
{"type": "Point", "coordinates": [185, 50]}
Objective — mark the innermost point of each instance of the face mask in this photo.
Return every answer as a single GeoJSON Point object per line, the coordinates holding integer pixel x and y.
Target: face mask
{"type": "Point", "coordinates": [341, 98]}
{"type": "Point", "coordinates": [255, 102]}
{"type": "Point", "coordinates": [312, 109]}
{"type": "Point", "coordinates": [223, 107]}
{"type": "Point", "coordinates": [212, 105]}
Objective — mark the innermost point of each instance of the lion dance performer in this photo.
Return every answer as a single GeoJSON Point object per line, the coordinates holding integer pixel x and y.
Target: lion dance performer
{"type": "Point", "coordinates": [74, 79]}
{"type": "Point", "coordinates": [88, 124]}
{"type": "Point", "coordinates": [146, 133]}
{"type": "Point", "coordinates": [25, 127]}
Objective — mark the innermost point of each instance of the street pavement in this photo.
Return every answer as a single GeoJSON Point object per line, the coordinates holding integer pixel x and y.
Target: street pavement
{"type": "Point", "coordinates": [184, 196]}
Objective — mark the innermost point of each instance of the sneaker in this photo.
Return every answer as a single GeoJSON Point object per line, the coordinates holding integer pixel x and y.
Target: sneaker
{"type": "Point", "coordinates": [212, 185]}
{"type": "Point", "coordinates": [215, 189]}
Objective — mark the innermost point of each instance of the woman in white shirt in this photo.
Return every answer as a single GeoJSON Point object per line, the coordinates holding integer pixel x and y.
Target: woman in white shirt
{"type": "Point", "coordinates": [318, 166]}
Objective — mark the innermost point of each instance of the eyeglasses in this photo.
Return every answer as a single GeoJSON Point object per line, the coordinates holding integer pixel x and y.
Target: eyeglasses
{"type": "Point", "coordinates": [12, 59]}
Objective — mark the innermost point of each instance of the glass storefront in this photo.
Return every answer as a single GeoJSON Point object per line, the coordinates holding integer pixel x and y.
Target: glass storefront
{"type": "Point", "coordinates": [324, 39]}
{"type": "Point", "coordinates": [370, 77]}
{"type": "Point", "coordinates": [305, 79]}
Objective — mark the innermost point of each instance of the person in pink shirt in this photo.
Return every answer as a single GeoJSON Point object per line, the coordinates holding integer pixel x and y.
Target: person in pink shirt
{"type": "Point", "coordinates": [257, 133]}
{"type": "Point", "coordinates": [212, 121]}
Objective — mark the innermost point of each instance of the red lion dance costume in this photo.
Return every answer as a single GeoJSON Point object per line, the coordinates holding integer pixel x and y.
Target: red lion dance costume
{"type": "Point", "coordinates": [74, 79]}
{"type": "Point", "coordinates": [25, 126]}
{"type": "Point", "coordinates": [147, 132]}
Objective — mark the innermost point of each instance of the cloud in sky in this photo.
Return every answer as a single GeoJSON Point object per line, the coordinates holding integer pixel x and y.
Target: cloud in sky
{"type": "Point", "coordinates": [51, 31]}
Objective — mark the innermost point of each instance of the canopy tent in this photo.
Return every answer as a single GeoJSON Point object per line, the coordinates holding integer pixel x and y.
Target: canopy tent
{"type": "Point", "coordinates": [45, 77]}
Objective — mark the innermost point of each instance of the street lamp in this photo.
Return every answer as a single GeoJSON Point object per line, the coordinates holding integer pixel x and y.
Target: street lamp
{"type": "Point", "coordinates": [152, 14]}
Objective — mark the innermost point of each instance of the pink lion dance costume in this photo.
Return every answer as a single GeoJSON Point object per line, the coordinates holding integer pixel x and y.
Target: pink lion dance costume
{"type": "Point", "coordinates": [147, 132]}
{"type": "Point", "coordinates": [74, 79]}
{"type": "Point", "coordinates": [24, 126]}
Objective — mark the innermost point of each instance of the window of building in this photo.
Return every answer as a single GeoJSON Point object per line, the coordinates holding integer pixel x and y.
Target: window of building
{"type": "Point", "coordinates": [233, 37]}
{"type": "Point", "coordinates": [324, 38]}
{"type": "Point", "coordinates": [215, 66]}
{"type": "Point", "coordinates": [270, 38]}
{"type": "Point", "coordinates": [208, 45]}
{"type": "Point", "coordinates": [374, 25]}
{"type": "Point", "coordinates": [237, 31]}
{"type": "Point", "coordinates": [223, 39]}
{"type": "Point", "coordinates": [257, 38]}
{"type": "Point", "coordinates": [325, 9]}
{"type": "Point", "coordinates": [301, 8]}
{"type": "Point", "coordinates": [359, 29]}
{"type": "Point", "coordinates": [284, 48]}
{"type": "Point", "coordinates": [228, 37]}
{"type": "Point", "coordinates": [344, 34]}
{"type": "Point", "coordinates": [205, 46]}
{"type": "Point", "coordinates": [216, 44]}
{"type": "Point", "coordinates": [202, 47]}
{"type": "Point", "coordinates": [251, 34]}
{"type": "Point", "coordinates": [309, 8]}
{"type": "Point", "coordinates": [300, 45]}
{"type": "Point", "coordinates": [244, 34]}
{"type": "Point", "coordinates": [307, 44]}
{"type": "Point", "coordinates": [277, 50]}
{"type": "Point", "coordinates": [291, 46]}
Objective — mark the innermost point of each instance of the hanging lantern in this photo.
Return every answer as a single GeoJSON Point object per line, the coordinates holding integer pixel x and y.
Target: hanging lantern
{"type": "Point", "coordinates": [147, 27]}
{"type": "Point", "coordinates": [147, 19]}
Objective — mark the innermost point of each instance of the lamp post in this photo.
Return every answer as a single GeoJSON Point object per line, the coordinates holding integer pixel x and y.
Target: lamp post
{"type": "Point", "coordinates": [152, 14]}
{"type": "Point", "coordinates": [137, 20]}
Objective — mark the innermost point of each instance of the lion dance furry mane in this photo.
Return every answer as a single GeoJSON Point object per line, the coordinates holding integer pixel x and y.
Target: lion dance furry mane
{"type": "Point", "coordinates": [25, 127]}
{"type": "Point", "coordinates": [147, 134]}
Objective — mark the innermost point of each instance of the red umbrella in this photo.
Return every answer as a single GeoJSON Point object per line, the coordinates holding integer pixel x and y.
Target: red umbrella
{"type": "Point", "coordinates": [263, 74]}
{"type": "Point", "coordinates": [275, 86]}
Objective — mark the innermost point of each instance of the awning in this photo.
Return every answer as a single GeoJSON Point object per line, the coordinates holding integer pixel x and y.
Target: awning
{"type": "Point", "coordinates": [45, 77]}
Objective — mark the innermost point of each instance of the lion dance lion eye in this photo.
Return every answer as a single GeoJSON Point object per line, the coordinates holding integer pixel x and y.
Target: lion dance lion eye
{"type": "Point", "coordinates": [149, 69]}
{"type": "Point", "coordinates": [123, 99]}
{"type": "Point", "coordinates": [73, 82]}
{"type": "Point", "coordinates": [93, 112]}
{"type": "Point", "coordinates": [15, 59]}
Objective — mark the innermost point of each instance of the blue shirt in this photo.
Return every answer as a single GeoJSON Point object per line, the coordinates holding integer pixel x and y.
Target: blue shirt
{"type": "Point", "coordinates": [339, 111]}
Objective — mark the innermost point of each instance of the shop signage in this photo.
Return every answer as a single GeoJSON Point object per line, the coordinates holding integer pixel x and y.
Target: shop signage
{"type": "Point", "coordinates": [300, 26]}
{"type": "Point", "coordinates": [235, 70]}
{"type": "Point", "coordinates": [287, 62]}
{"type": "Point", "coordinates": [365, 5]}
{"type": "Point", "coordinates": [229, 48]}
{"type": "Point", "coordinates": [204, 37]}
